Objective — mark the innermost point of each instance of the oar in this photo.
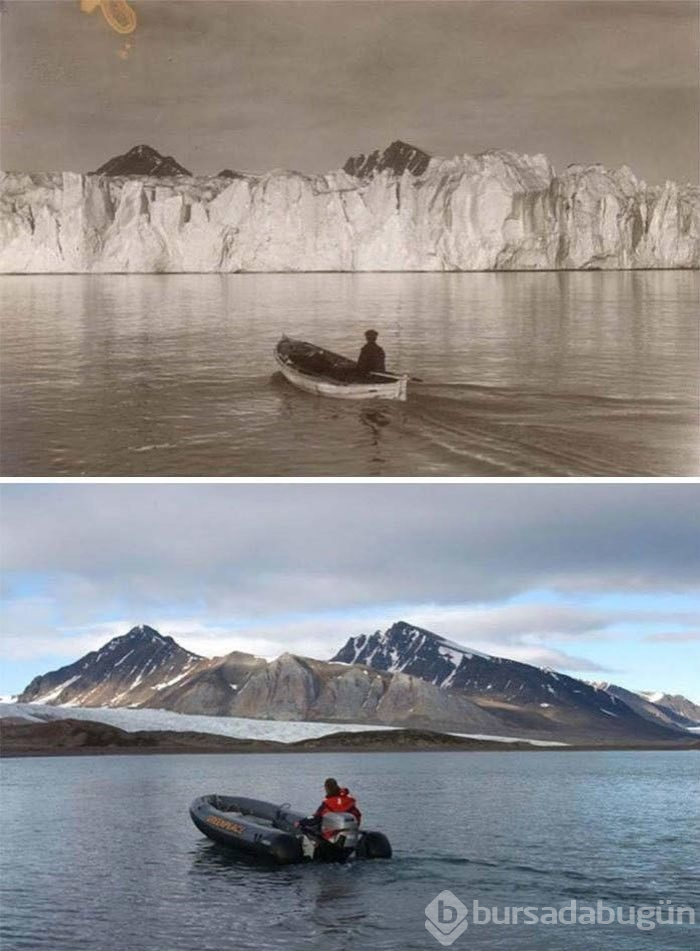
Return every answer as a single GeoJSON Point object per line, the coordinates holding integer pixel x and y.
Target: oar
{"type": "Point", "coordinates": [418, 379]}
{"type": "Point", "coordinates": [398, 376]}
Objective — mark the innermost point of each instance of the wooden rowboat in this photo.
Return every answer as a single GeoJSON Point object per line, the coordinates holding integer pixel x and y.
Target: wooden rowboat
{"type": "Point", "coordinates": [324, 373]}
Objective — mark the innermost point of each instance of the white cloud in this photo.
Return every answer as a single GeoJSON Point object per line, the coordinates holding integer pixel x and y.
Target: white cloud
{"type": "Point", "coordinates": [515, 631]}
{"type": "Point", "coordinates": [298, 567]}
{"type": "Point", "coordinates": [258, 550]}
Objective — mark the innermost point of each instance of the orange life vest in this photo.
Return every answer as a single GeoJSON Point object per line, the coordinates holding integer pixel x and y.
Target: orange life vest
{"type": "Point", "coordinates": [342, 803]}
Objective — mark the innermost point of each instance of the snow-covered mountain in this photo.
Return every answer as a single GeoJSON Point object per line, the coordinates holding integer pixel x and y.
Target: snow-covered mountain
{"type": "Point", "coordinates": [520, 694]}
{"type": "Point", "coordinates": [127, 671]}
{"type": "Point", "coordinates": [393, 210]}
{"type": "Point", "coordinates": [144, 669]}
{"type": "Point", "coordinates": [402, 677]}
{"type": "Point", "coordinates": [675, 705]}
{"type": "Point", "coordinates": [647, 706]}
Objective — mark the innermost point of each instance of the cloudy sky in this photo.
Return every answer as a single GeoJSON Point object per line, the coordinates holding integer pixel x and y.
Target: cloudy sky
{"type": "Point", "coordinates": [601, 581]}
{"type": "Point", "coordinates": [303, 85]}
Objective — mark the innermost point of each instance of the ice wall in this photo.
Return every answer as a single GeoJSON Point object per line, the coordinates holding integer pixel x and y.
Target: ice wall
{"type": "Point", "coordinates": [498, 210]}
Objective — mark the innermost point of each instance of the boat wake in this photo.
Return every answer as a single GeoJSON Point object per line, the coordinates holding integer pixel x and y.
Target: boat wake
{"type": "Point", "coordinates": [517, 432]}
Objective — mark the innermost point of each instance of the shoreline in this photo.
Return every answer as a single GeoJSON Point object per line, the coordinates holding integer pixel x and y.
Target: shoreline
{"type": "Point", "coordinates": [91, 738]}
{"type": "Point", "coordinates": [527, 270]}
{"type": "Point", "coordinates": [486, 748]}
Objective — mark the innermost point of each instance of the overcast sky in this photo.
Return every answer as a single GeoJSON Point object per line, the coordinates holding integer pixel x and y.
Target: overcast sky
{"type": "Point", "coordinates": [598, 580]}
{"type": "Point", "coordinates": [260, 85]}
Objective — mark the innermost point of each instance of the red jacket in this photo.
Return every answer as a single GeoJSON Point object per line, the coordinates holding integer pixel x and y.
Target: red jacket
{"type": "Point", "coordinates": [342, 803]}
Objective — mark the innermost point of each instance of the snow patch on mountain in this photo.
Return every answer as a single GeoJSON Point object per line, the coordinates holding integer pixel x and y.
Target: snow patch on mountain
{"type": "Point", "coordinates": [54, 694]}
{"type": "Point", "coordinates": [455, 652]}
{"type": "Point", "coordinates": [509, 739]}
{"type": "Point", "coordinates": [169, 683]}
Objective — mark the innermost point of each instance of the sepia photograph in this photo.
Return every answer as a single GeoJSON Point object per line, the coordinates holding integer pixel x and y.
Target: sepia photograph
{"type": "Point", "coordinates": [353, 238]}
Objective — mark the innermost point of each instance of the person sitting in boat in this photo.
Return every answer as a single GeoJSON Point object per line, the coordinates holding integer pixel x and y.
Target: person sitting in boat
{"type": "Point", "coordinates": [371, 359]}
{"type": "Point", "coordinates": [337, 799]}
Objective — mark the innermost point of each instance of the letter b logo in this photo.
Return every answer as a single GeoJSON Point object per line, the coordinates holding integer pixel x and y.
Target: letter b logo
{"type": "Point", "coordinates": [446, 913]}
{"type": "Point", "coordinates": [446, 917]}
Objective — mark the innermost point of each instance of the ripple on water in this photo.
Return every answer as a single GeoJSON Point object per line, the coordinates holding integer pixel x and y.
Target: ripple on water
{"type": "Point", "coordinates": [590, 373]}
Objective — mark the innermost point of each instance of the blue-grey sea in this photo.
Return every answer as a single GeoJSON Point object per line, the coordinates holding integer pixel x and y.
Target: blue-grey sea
{"type": "Point", "coordinates": [99, 853]}
{"type": "Point", "coordinates": [524, 374]}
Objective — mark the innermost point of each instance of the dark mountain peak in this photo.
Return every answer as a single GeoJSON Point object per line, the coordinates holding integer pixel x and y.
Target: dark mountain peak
{"type": "Point", "coordinates": [410, 649]}
{"type": "Point", "coordinates": [399, 157]}
{"type": "Point", "coordinates": [399, 147]}
{"type": "Point", "coordinates": [142, 637]}
{"type": "Point", "coordinates": [229, 173]}
{"type": "Point", "coordinates": [402, 626]}
{"type": "Point", "coordinates": [129, 668]}
{"type": "Point", "coordinates": [142, 160]}
{"type": "Point", "coordinates": [144, 150]}
{"type": "Point", "coordinates": [411, 631]}
{"type": "Point", "coordinates": [542, 697]}
{"type": "Point", "coordinates": [143, 632]}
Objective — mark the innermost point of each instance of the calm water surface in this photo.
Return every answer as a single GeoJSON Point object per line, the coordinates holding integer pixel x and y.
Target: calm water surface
{"type": "Point", "coordinates": [528, 374]}
{"type": "Point", "coordinates": [101, 853]}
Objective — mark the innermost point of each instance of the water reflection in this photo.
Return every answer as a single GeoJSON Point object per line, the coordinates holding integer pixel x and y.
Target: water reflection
{"type": "Point", "coordinates": [527, 374]}
{"type": "Point", "coordinates": [212, 858]}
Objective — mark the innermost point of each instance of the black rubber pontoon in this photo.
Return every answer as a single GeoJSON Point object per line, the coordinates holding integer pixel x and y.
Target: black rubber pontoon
{"type": "Point", "coordinates": [260, 828]}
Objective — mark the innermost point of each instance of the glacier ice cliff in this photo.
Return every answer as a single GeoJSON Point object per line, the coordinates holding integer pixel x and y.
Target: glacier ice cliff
{"type": "Point", "coordinates": [494, 211]}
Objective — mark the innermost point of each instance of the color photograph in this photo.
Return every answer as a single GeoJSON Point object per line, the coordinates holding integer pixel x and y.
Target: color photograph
{"type": "Point", "coordinates": [236, 740]}
{"type": "Point", "coordinates": [329, 239]}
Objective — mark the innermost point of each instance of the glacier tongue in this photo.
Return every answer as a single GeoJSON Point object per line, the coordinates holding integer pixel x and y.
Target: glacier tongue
{"type": "Point", "coordinates": [498, 210]}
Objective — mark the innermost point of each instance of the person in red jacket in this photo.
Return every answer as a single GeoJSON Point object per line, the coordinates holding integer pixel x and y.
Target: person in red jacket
{"type": "Point", "coordinates": [337, 799]}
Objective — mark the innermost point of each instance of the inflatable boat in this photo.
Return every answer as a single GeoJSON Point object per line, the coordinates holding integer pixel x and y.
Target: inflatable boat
{"type": "Point", "coordinates": [259, 828]}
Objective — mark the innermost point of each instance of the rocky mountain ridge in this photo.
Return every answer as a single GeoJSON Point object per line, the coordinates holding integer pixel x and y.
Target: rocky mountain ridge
{"type": "Point", "coordinates": [675, 706]}
{"type": "Point", "coordinates": [125, 672]}
{"type": "Point", "coordinates": [405, 677]}
{"type": "Point", "coordinates": [648, 708]}
{"type": "Point", "coordinates": [142, 160]}
{"type": "Point", "coordinates": [143, 669]}
{"type": "Point", "coordinates": [398, 158]}
{"type": "Point", "coordinates": [520, 694]}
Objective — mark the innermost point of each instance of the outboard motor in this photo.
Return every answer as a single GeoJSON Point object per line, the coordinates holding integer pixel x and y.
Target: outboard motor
{"type": "Point", "coordinates": [340, 831]}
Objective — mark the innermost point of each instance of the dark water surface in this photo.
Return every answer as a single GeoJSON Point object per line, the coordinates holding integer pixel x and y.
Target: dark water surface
{"type": "Point", "coordinates": [580, 373]}
{"type": "Point", "coordinates": [100, 853]}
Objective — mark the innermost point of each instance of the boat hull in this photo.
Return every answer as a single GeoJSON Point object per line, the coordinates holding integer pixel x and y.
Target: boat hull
{"type": "Point", "coordinates": [392, 388]}
{"type": "Point", "coordinates": [246, 825]}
